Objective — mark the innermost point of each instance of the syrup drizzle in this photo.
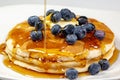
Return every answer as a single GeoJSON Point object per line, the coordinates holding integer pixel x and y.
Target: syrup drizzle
{"type": "Point", "coordinates": [45, 2]}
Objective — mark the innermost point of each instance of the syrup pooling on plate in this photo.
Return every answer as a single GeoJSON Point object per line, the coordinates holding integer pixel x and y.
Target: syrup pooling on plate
{"type": "Point", "coordinates": [31, 73]}
{"type": "Point", "coordinates": [2, 48]}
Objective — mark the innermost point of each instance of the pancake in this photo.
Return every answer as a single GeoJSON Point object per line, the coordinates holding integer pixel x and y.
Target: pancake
{"type": "Point", "coordinates": [60, 56]}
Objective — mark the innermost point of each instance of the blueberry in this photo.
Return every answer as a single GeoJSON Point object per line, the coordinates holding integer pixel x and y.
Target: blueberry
{"type": "Point", "coordinates": [69, 29]}
{"type": "Point", "coordinates": [71, 73]}
{"type": "Point", "coordinates": [36, 35]}
{"type": "Point", "coordinates": [99, 34]}
{"type": "Point", "coordinates": [94, 68]}
{"type": "Point", "coordinates": [49, 12]}
{"type": "Point", "coordinates": [73, 15]}
{"type": "Point", "coordinates": [83, 17]}
{"type": "Point", "coordinates": [39, 25]}
{"type": "Point", "coordinates": [89, 27]}
{"type": "Point", "coordinates": [62, 34]}
{"type": "Point", "coordinates": [80, 32]}
{"type": "Point", "coordinates": [32, 20]}
{"type": "Point", "coordinates": [104, 63]}
{"type": "Point", "coordinates": [56, 29]}
{"type": "Point", "coordinates": [71, 39]}
{"type": "Point", "coordinates": [56, 16]}
{"type": "Point", "coordinates": [82, 20]}
{"type": "Point", "coordinates": [67, 15]}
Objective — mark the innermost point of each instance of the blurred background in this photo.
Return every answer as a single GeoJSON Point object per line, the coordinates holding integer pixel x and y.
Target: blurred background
{"type": "Point", "coordinates": [92, 4]}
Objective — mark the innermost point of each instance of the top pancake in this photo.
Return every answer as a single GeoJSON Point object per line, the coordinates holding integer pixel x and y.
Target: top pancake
{"type": "Point", "coordinates": [88, 48]}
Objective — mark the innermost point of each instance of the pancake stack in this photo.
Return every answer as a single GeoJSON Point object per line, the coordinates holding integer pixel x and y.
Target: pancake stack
{"type": "Point", "coordinates": [58, 56]}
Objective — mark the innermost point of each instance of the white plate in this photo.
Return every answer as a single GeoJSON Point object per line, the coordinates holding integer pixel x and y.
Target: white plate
{"type": "Point", "coordinates": [11, 15]}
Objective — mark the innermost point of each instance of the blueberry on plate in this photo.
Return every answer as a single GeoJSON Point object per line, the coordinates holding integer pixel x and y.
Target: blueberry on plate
{"type": "Point", "coordinates": [94, 68]}
{"type": "Point", "coordinates": [39, 25]}
{"type": "Point", "coordinates": [99, 34]}
{"type": "Point", "coordinates": [80, 32]}
{"type": "Point", "coordinates": [69, 29]}
{"type": "Point", "coordinates": [67, 15]}
{"type": "Point", "coordinates": [71, 39]}
{"type": "Point", "coordinates": [32, 20]}
{"type": "Point", "coordinates": [36, 35]}
{"type": "Point", "coordinates": [71, 73]}
{"type": "Point", "coordinates": [89, 27]}
{"type": "Point", "coordinates": [56, 16]}
{"type": "Point", "coordinates": [56, 29]}
{"type": "Point", "coordinates": [49, 12]}
{"type": "Point", "coordinates": [82, 20]}
{"type": "Point", "coordinates": [104, 63]}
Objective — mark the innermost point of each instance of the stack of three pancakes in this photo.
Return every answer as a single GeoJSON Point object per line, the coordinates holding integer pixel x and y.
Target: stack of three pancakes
{"type": "Point", "coordinates": [60, 56]}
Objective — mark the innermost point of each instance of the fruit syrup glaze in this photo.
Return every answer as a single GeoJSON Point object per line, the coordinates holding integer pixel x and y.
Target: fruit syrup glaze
{"type": "Point", "coordinates": [31, 73]}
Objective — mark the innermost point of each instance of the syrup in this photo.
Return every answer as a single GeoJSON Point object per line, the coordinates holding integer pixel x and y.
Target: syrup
{"type": "Point", "coordinates": [2, 47]}
{"type": "Point", "coordinates": [27, 72]}
{"type": "Point", "coordinates": [45, 3]}
{"type": "Point", "coordinates": [91, 41]}
{"type": "Point", "coordinates": [34, 74]}
{"type": "Point", "coordinates": [115, 56]}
